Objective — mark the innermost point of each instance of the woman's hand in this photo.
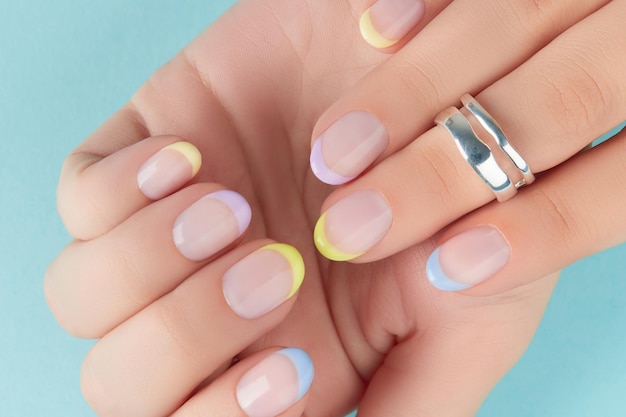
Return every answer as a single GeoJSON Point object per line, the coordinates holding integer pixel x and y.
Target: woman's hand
{"type": "Point", "coordinates": [552, 73]}
{"type": "Point", "coordinates": [151, 270]}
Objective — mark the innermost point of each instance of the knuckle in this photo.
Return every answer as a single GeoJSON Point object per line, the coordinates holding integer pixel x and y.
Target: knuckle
{"type": "Point", "coordinates": [532, 17]}
{"type": "Point", "coordinates": [539, 9]}
{"type": "Point", "coordinates": [418, 78]}
{"type": "Point", "coordinates": [178, 333]}
{"type": "Point", "coordinates": [559, 223]}
{"type": "Point", "coordinates": [574, 97]}
{"type": "Point", "coordinates": [72, 323]}
{"type": "Point", "coordinates": [94, 392]}
{"type": "Point", "coordinates": [431, 166]}
{"type": "Point", "coordinates": [82, 216]}
{"type": "Point", "coordinates": [74, 288]}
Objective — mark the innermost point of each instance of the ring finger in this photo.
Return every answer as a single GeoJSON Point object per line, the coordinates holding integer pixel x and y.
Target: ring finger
{"type": "Point", "coordinates": [569, 93]}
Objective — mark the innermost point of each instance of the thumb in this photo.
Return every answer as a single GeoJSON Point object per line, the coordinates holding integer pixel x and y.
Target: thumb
{"type": "Point", "coordinates": [448, 369]}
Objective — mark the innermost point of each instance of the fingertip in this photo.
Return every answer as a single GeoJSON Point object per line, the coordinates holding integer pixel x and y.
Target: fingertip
{"type": "Point", "coordinates": [191, 153]}
{"type": "Point", "coordinates": [371, 35]}
{"type": "Point", "coordinates": [324, 246]}
{"type": "Point", "coordinates": [387, 22]}
{"type": "Point", "coordinates": [321, 170]}
{"type": "Point", "coordinates": [168, 170]}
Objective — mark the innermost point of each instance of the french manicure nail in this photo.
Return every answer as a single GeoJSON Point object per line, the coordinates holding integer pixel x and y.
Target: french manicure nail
{"type": "Point", "coordinates": [263, 280]}
{"type": "Point", "coordinates": [210, 224]}
{"type": "Point", "coordinates": [388, 21]}
{"type": "Point", "coordinates": [168, 170]}
{"type": "Point", "coordinates": [347, 147]}
{"type": "Point", "coordinates": [468, 259]}
{"type": "Point", "coordinates": [275, 383]}
{"type": "Point", "coordinates": [353, 225]}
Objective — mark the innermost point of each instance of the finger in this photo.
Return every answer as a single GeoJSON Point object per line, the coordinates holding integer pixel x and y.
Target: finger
{"type": "Point", "coordinates": [93, 286]}
{"type": "Point", "coordinates": [568, 94]}
{"type": "Point", "coordinates": [389, 24]}
{"type": "Point", "coordinates": [457, 354]}
{"type": "Point", "coordinates": [95, 194]}
{"type": "Point", "coordinates": [285, 376]}
{"type": "Point", "coordinates": [465, 48]}
{"type": "Point", "coordinates": [574, 211]}
{"type": "Point", "coordinates": [150, 364]}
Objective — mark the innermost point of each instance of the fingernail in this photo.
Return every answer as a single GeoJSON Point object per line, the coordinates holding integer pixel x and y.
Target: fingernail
{"type": "Point", "coordinates": [388, 21]}
{"type": "Point", "coordinates": [468, 259]}
{"type": "Point", "coordinates": [275, 383]}
{"type": "Point", "coordinates": [353, 225]}
{"type": "Point", "coordinates": [263, 280]}
{"type": "Point", "coordinates": [210, 224]}
{"type": "Point", "coordinates": [347, 147]}
{"type": "Point", "coordinates": [168, 170]}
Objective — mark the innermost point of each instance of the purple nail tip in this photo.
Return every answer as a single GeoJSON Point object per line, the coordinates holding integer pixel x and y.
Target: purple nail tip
{"type": "Point", "coordinates": [321, 170]}
{"type": "Point", "coordinates": [238, 205]}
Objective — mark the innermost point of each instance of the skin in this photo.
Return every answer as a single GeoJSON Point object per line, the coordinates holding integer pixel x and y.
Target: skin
{"type": "Point", "coordinates": [378, 333]}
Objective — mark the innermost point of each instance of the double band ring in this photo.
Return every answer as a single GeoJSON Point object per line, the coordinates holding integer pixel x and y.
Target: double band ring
{"type": "Point", "coordinates": [479, 155]}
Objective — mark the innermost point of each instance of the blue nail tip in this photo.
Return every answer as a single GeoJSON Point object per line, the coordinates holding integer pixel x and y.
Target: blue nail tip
{"type": "Point", "coordinates": [304, 367]}
{"type": "Point", "coordinates": [438, 278]}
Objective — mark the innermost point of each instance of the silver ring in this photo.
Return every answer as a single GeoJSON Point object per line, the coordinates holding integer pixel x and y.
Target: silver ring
{"type": "Point", "coordinates": [476, 153]}
{"type": "Point", "coordinates": [494, 129]}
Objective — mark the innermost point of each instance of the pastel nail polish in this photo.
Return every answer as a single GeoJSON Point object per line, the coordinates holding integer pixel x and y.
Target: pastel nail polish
{"type": "Point", "coordinates": [353, 225]}
{"type": "Point", "coordinates": [348, 147]}
{"type": "Point", "coordinates": [263, 280]}
{"type": "Point", "coordinates": [210, 224]}
{"type": "Point", "coordinates": [275, 383]}
{"type": "Point", "coordinates": [468, 259]}
{"type": "Point", "coordinates": [388, 21]}
{"type": "Point", "coordinates": [168, 170]}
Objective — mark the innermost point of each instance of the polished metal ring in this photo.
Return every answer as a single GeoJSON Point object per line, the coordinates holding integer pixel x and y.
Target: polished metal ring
{"type": "Point", "coordinates": [476, 153]}
{"type": "Point", "coordinates": [494, 129]}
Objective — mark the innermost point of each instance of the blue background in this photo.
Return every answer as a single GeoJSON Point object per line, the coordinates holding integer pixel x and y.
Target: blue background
{"type": "Point", "coordinates": [65, 66]}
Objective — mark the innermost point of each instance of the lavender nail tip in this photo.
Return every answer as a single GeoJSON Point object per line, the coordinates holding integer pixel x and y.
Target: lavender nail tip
{"type": "Point", "coordinates": [321, 170]}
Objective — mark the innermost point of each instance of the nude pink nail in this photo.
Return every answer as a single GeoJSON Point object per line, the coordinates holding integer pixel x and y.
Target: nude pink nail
{"type": "Point", "coordinates": [353, 225]}
{"type": "Point", "coordinates": [263, 280]}
{"type": "Point", "coordinates": [168, 170]}
{"type": "Point", "coordinates": [348, 147]}
{"type": "Point", "coordinates": [468, 259]}
{"type": "Point", "coordinates": [276, 383]}
{"type": "Point", "coordinates": [210, 224]}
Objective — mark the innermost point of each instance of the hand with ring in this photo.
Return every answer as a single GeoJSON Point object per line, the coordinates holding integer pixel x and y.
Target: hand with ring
{"type": "Point", "coordinates": [548, 79]}
{"type": "Point", "coordinates": [187, 268]}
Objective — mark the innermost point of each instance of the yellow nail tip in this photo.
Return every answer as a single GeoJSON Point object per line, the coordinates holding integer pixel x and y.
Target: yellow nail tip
{"type": "Point", "coordinates": [325, 248]}
{"type": "Point", "coordinates": [371, 35]}
{"type": "Point", "coordinates": [295, 260]}
{"type": "Point", "coordinates": [190, 152]}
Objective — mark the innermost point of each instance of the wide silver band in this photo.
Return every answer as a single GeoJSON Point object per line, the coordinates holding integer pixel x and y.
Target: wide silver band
{"type": "Point", "coordinates": [494, 129]}
{"type": "Point", "coordinates": [479, 155]}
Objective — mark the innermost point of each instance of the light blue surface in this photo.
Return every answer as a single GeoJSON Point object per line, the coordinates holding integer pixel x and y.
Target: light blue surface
{"type": "Point", "coordinates": [65, 66]}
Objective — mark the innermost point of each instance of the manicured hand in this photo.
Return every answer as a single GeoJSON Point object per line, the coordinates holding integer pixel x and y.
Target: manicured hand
{"type": "Point", "coordinates": [172, 271]}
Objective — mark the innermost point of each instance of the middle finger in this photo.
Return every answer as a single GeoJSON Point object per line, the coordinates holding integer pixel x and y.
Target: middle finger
{"type": "Point", "coordinates": [399, 99]}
